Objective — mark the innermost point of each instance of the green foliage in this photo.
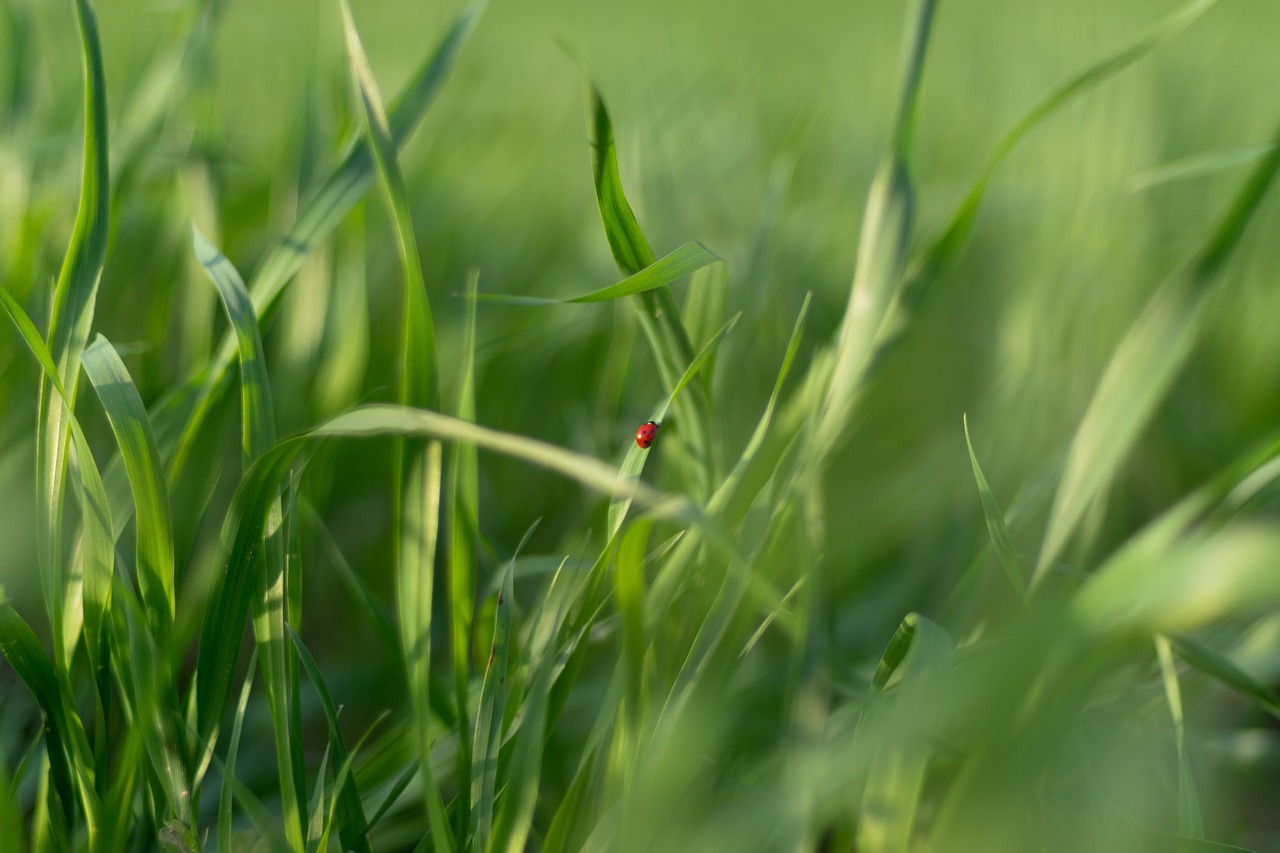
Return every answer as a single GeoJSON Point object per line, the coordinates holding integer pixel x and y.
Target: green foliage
{"type": "Point", "coordinates": [792, 622]}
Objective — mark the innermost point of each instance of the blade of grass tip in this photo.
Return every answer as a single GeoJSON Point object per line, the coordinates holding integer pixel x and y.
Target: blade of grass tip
{"type": "Point", "coordinates": [657, 312]}
{"type": "Point", "coordinates": [633, 462]}
{"type": "Point", "coordinates": [1217, 665]}
{"type": "Point", "coordinates": [895, 780]}
{"type": "Point", "coordinates": [416, 495]}
{"type": "Point", "coordinates": [74, 296]}
{"type": "Point", "coordinates": [996, 527]}
{"type": "Point", "coordinates": [229, 768]}
{"type": "Point", "coordinates": [348, 807]}
{"type": "Point", "coordinates": [464, 515]}
{"type": "Point", "coordinates": [1148, 358]}
{"type": "Point", "coordinates": [270, 619]}
{"type": "Point", "coordinates": [132, 429]}
{"type": "Point", "coordinates": [886, 228]}
{"type": "Point", "coordinates": [320, 216]}
{"type": "Point", "coordinates": [493, 700]}
{"type": "Point", "coordinates": [925, 266]}
{"type": "Point", "coordinates": [683, 262]}
{"type": "Point", "coordinates": [1190, 822]}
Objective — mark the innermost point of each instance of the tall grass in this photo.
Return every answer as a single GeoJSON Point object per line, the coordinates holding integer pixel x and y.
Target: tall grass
{"type": "Point", "coordinates": [482, 618]}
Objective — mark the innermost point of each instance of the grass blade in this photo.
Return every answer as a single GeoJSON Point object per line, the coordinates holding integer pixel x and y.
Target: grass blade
{"type": "Point", "coordinates": [999, 533]}
{"type": "Point", "coordinates": [1190, 822]}
{"type": "Point", "coordinates": [229, 768]}
{"type": "Point", "coordinates": [1145, 363]}
{"type": "Point", "coordinates": [670, 269]}
{"type": "Point", "coordinates": [1217, 665]}
{"type": "Point", "coordinates": [493, 700]}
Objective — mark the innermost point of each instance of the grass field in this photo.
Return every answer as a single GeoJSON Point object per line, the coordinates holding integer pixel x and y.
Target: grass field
{"type": "Point", "coordinates": [322, 522]}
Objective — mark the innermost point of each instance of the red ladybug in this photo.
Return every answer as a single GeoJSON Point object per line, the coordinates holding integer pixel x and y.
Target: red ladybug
{"type": "Point", "coordinates": [647, 433]}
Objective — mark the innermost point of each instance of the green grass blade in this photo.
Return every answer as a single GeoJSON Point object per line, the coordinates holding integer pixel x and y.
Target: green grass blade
{"type": "Point", "coordinates": [994, 515]}
{"type": "Point", "coordinates": [1194, 166]}
{"type": "Point", "coordinates": [948, 245]}
{"type": "Point", "coordinates": [1217, 665]}
{"type": "Point", "coordinates": [73, 303]}
{"type": "Point", "coordinates": [132, 429]}
{"type": "Point", "coordinates": [633, 462]}
{"type": "Point", "coordinates": [343, 775]}
{"type": "Point", "coordinates": [1190, 822]}
{"type": "Point", "coordinates": [416, 511]}
{"type": "Point", "coordinates": [628, 592]}
{"type": "Point", "coordinates": [886, 228]}
{"type": "Point", "coordinates": [664, 272]}
{"type": "Point", "coordinates": [493, 700]}
{"type": "Point", "coordinates": [348, 807]}
{"type": "Point", "coordinates": [1145, 363]}
{"type": "Point", "coordinates": [229, 768]}
{"type": "Point", "coordinates": [464, 522]}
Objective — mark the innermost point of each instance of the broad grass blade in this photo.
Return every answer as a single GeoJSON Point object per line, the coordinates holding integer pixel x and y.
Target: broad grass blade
{"type": "Point", "coordinates": [1145, 363]}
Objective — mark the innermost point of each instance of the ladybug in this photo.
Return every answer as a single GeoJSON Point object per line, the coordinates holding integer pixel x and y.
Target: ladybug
{"type": "Point", "coordinates": [647, 433]}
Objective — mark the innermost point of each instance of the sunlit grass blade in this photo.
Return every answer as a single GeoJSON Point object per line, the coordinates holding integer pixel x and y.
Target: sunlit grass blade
{"type": "Point", "coordinates": [464, 525]}
{"type": "Point", "coordinates": [416, 494]}
{"type": "Point", "coordinates": [657, 311]}
{"type": "Point", "coordinates": [74, 297]}
{"type": "Point", "coordinates": [320, 216]}
{"type": "Point", "coordinates": [664, 272]}
{"type": "Point", "coordinates": [132, 429]}
{"type": "Point", "coordinates": [882, 245]}
{"type": "Point", "coordinates": [994, 515]}
{"type": "Point", "coordinates": [947, 246]}
{"type": "Point", "coordinates": [1145, 363]}
{"type": "Point", "coordinates": [352, 826]}
{"type": "Point", "coordinates": [493, 700]}
{"type": "Point", "coordinates": [633, 463]}
{"type": "Point", "coordinates": [628, 592]}
{"type": "Point", "coordinates": [233, 750]}
{"type": "Point", "coordinates": [1190, 822]}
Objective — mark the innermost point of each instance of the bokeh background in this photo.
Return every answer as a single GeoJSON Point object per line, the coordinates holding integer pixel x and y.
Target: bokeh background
{"type": "Point", "coordinates": [754, 127]}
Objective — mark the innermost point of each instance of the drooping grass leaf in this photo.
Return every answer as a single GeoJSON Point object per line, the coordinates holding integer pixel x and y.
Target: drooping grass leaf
{"type": "Point", "coordinates": [996, 528]}
{"type": "Point", "coordinates": [664, 272]}
{"type": "Point", "coordinates": [1145, 363]}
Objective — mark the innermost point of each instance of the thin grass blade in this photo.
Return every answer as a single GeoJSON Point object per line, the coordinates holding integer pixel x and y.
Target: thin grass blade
{"type": "Point", "coordinates": [994, 515]}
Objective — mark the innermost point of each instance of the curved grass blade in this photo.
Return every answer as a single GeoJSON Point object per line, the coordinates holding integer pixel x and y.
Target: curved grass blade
{"type": "Point", "coordinates": [74, 297]}
{"type": "Point", "coordinates": [664, 272]}
{"type": "Point", "coordinates": [275, 586]}
{"type": "Point", "coordinates": [132, 429]}
{"type": "Point", "coordinates": [352, 826]}
{"type": "Point", "coordinates": [320, 216]}
{"type": "Point", "coordinates": [996, 528]}
{"type": "Point", "coordinates": [1145, 363]}
{"type": "Point", "coordinates": [1194, 166]}
{"type": "Point", "coordinates": [416, 489]}
{"type": "Point", "coordinates": [633, 462]}
{"type": "Point", "coordinates": [925, 266]}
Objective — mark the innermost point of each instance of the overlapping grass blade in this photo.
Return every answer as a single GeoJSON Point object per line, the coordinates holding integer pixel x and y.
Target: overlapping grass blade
{"type": "Point", "coordinates": [947, 246]}
{"type": "Point", "coordinates": [348, 807]}
{"type": "Point", "coordinates": [417, 481]}
{"type": "Point", "coordinates": [493, 700]}
{"type": "Point", "coordinates": [74, 297]}
{"type": "Point", "coordinates": [664, 272]}
{"type": "Point", "coordinates": [132, 428]}
{"type": "Point", "coordinates": [233, 750]}
{"type": "Point", "coordinates": [657, 312]}
{"type": "Point", "coordinates": [994, 515]}
{"type": "Point", "coordinates": [633, 462]}
{"type": "Point", "coordinates": [340, 192]}
{"type": "Point", "coordinates": [1145, 363]}
{"type": "Point", "coordinates": [271, 602]}
{"type": "Point", "coordinates": [882, 246]}
{"type": "Point", "coordinates": [464, 526]}
{"type": "Point", "coordinates": [1217, 665]}
{"type": "Point", "coordinates": [1194, 166]}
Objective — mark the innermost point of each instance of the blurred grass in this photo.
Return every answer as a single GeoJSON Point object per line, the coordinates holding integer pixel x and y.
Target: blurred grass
{"type": "Point", "coordinates": [660, 692]}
